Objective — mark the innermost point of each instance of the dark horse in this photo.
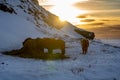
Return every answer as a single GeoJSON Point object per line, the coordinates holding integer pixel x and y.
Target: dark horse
{"type": "Point", "coordinates": [39, 44]}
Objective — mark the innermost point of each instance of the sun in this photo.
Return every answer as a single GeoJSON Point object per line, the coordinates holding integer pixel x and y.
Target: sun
{"type": "Point", "coordinates": [67, 12]}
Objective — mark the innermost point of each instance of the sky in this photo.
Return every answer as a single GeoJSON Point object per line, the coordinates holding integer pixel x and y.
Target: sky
{"type": "Point", "coordinates": [70, 9]}
{"type": "Point", "coordinates": [87, 14]}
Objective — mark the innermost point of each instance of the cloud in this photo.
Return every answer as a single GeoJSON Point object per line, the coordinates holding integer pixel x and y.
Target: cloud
{"type": "Point", "coordinates": [106, 32]}
{"type": "Point", "coordinates": [108, 20]}
{"type": "Point", "coordinates": [82, 16]}
{"type": "Point", "coordinates": [98, 4]}
{"type": "Point", "coordinates": [104, 13]}
{"type": "Point", "coordinates": [105, 20]}
{"type": "Point", "coordinates": [99, 23]}
{"type": "Point", "coordinates": [87, 20]}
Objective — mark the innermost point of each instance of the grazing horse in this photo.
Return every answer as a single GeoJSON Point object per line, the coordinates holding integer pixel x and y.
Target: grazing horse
{"type": "Point", "coordinates": [85, 45]}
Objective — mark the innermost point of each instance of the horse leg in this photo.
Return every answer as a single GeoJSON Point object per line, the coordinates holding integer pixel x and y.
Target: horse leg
{"type": "Point", "coordinates": [86, 49]}
{"type": "Point", "coordinates": [50, 51]}
{"type": "Point", "coordinates": [83, 50]}
{"type": "Point", "coordinates": [42, 50]}
{"type": "Point", "coordinates": [63, 51]}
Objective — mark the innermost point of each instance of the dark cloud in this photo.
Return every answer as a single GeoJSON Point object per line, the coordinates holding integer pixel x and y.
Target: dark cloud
{"type": "Point", "coordinates": [82, 16]}
{"type": "Point", "coordinates": [105, 20]}
{"type": "Point", "coordinates": [87, 20]}
{"type": "Point", "coordinates": [108, 20]}
{"type": "Point", "coordinates": [99, 23]}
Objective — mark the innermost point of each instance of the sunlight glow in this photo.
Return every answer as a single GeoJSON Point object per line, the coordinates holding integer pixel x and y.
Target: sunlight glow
{"type": "Point", "coordinates": [64, 2]}
{"type": "Point", "coordinates": [67, 12]}
{"type": "Point", "coordinates": [59, 2]}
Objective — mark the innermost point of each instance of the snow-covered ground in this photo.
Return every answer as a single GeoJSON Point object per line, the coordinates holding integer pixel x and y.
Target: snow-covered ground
{"type": "Point", "coordinates": [101, 63]}
{"type": "Point", "coordinates": [114, 42]}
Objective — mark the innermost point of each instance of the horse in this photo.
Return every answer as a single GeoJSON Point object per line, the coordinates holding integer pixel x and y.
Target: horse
{"type": "Point", "coordinates": [84, 45]}
{"type": "Point", "coordinates": [39, 44]}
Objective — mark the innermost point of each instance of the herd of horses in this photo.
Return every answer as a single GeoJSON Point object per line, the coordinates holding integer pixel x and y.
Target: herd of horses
{"type": "Point", "coordinates": [35, 48]}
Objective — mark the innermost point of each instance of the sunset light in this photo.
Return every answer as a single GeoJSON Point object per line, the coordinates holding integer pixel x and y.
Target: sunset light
{"type": "Point", "coordinates": [65, 2]}
{"type": "Point", "coordinates": [59, 2]}
{"type": "Point", "coordinates": [65, 10]}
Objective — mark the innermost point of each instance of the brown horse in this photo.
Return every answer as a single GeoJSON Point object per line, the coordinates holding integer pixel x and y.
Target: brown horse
{"type": "Point", "coordinates": [39, 44]}
{"type": "Point", "coordinates": [85, 45]}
